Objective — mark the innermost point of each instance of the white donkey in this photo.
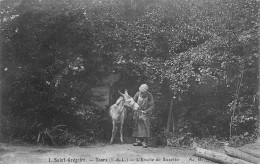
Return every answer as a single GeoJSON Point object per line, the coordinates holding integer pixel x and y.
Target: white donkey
{"type": "Point", "coordinates": [118, 113]}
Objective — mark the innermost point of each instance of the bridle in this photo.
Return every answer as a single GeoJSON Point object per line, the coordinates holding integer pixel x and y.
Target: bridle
{"type": "Point", "coordinates": [123, 105]}
{"type": "Point", "coordinates": [131, 105]}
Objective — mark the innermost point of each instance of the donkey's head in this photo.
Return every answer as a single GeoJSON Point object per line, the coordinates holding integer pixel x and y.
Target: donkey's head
{"type": "Point", "coordinates": [129, 101]}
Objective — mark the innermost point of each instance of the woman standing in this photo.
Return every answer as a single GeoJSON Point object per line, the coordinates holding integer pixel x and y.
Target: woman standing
{"type": "Point", "coordinates": [142, 116]}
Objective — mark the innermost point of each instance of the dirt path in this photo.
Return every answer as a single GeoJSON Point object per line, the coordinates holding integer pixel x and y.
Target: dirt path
{"type": "Point", "coordinates": [100, 154]}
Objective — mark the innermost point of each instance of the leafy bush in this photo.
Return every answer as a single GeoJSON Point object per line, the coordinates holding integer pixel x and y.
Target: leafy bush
{"type": "Point", "coordinates": [80, 128]}
{"type": "Point", "coordinates": [243, 139]}
{"type": "Point", "coordinates": [179, 140]}
{"type": "Point", "coordinates": [163, 137]}
{"type": "Point", "coordinates": [53, 53]}
{"type": "Point", "coordinates": [159, 137]}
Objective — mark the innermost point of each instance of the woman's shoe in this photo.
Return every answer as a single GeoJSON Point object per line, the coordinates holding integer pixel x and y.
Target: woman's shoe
{"type": "Point", "coordinates": [144, 145]}
{"type": "Point", "coordinates": [137, 144]}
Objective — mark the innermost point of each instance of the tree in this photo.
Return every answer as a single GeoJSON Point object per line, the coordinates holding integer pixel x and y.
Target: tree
{"type": "Point", "coordinates": [201, 52]}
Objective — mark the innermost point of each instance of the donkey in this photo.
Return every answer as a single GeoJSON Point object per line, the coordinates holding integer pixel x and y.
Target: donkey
{"type": "Point", "coordinates": [118, 113]}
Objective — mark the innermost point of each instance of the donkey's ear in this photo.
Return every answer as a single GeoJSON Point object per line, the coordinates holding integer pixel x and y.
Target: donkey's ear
{"type": "Point", "coordinates": [126, 92]}
{"type": "Point", "coordinates": [120, 93]}
{"type": "Point", "coordinates": [118, 101]}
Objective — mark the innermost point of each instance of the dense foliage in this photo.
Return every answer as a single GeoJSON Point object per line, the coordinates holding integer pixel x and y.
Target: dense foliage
{"type": "Point", "coordinates": [201, 53]}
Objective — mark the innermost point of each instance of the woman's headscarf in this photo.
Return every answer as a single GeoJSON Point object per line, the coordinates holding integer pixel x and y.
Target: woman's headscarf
{"type": "Point", "coordinates": [143, 88]}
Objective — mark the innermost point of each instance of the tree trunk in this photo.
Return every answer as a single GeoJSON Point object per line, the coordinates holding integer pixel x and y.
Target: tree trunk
{"type": "Point", "coordinates": [252, 152]}
{"type": "Point", "coordinates": [218, 157]}
{"type": "Point", "coordinates": [1, 118]}
{"type": "Point", "coordinates": [258, 93]}
{"type": "Point", "coordinates": [241, 155]}
{"type": "Point", "coordinates": [170, 117]}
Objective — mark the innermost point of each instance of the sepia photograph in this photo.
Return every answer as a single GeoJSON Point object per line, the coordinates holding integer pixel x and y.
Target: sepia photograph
{"type": "Point", "coordinates": [129, 82]}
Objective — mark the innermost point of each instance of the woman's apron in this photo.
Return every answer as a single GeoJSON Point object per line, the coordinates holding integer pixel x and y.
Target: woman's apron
{"type": "Point", "coordinates": [141, 121]}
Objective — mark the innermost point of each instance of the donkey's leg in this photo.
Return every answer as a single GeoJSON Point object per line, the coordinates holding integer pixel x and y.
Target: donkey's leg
{"type": "Point", "coordinates": [121, 131]}
{"type": "Point", "coordinates": [122, 119]}
{"type": "Point", "coordinates": [113, 132]}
